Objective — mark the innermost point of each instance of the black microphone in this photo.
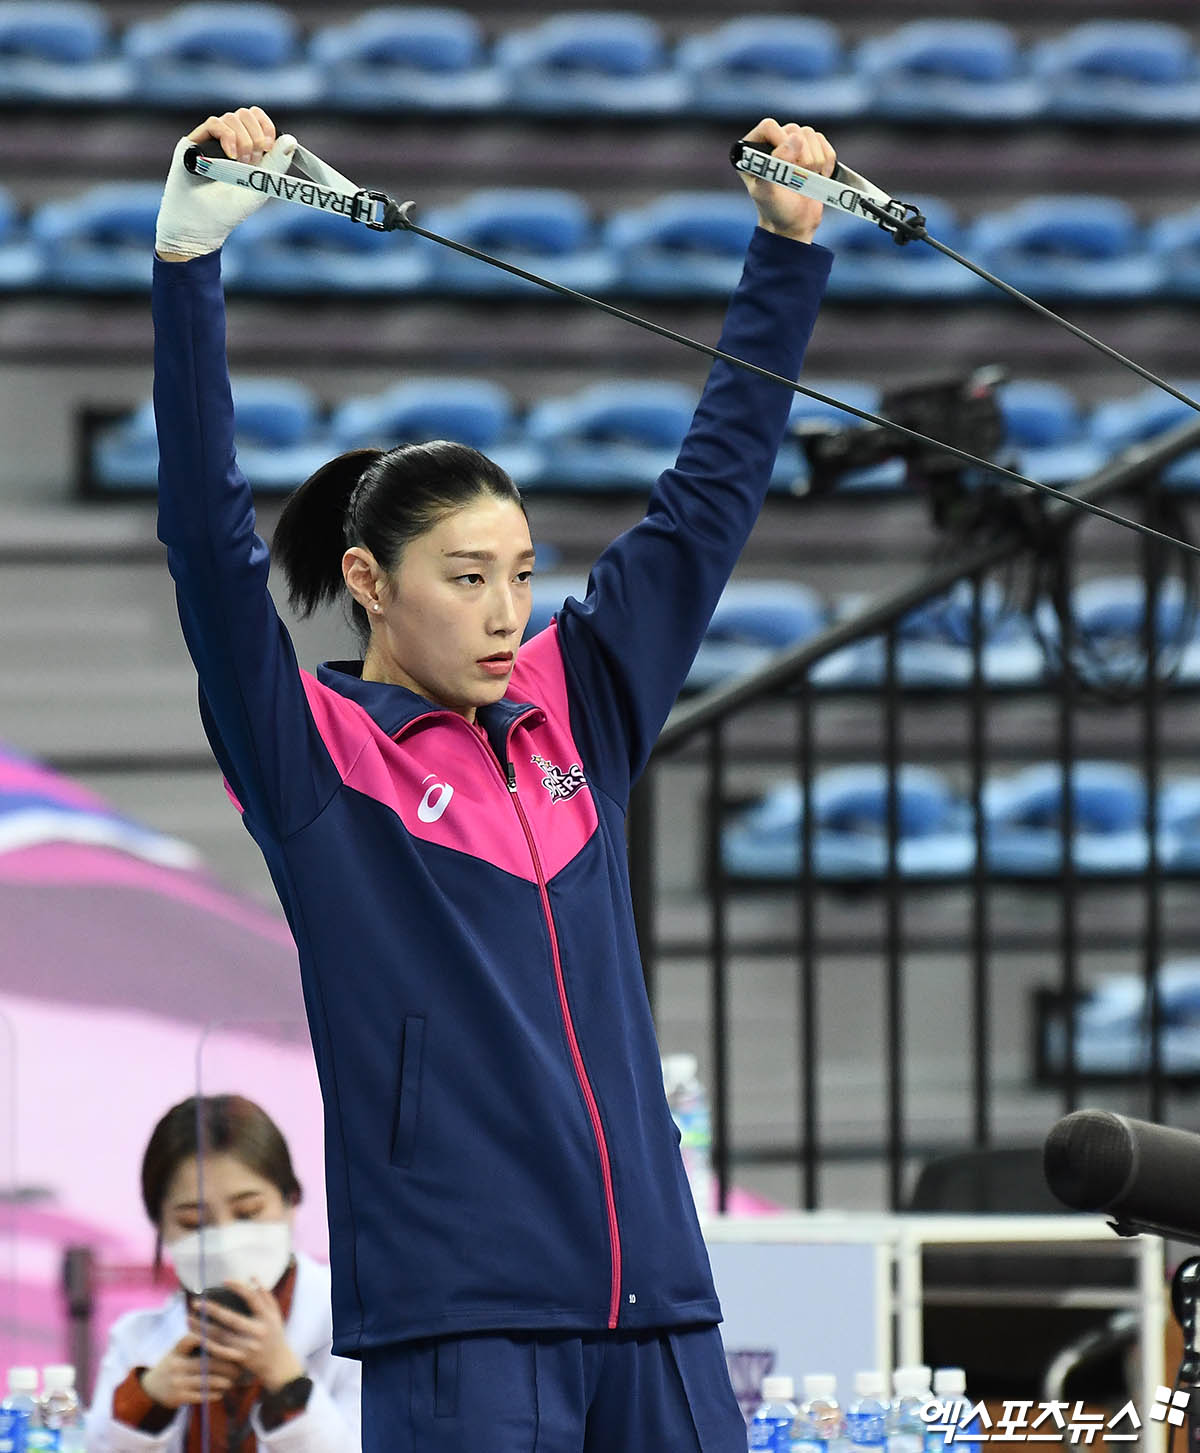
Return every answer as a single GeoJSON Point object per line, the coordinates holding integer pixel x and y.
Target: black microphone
{"type": "Point", "coordinates": [1146, 1176]}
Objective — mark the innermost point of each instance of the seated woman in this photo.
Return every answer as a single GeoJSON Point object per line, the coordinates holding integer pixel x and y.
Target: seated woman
{"type": "Point", "coordinates": [196, 1374]}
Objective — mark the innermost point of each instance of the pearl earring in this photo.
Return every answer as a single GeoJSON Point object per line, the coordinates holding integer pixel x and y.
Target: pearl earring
{"type": "Point", "coordinates": [374, 605]}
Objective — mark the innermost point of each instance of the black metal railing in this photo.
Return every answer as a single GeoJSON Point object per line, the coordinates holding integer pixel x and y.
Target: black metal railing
{"type": "Point", "coordinates": [895, 919]}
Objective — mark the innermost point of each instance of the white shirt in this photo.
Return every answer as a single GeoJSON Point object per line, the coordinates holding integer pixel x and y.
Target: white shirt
{"type": "Point", "coordinates": [331, 1423]}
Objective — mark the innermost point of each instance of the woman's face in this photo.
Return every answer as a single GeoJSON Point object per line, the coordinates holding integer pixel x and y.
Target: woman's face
{"type": "Point", "coordinates": [231, 1192]}
{"type": "Point", "coordinates": [452, 616]}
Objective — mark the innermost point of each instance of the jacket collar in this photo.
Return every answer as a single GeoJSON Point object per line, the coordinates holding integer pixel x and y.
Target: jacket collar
{"type": "Point", "coordinates": [395, 708]}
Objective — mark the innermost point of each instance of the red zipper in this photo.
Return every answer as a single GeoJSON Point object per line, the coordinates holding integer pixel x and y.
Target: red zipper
{"type": "Point", "coordinates": [610, 1200]}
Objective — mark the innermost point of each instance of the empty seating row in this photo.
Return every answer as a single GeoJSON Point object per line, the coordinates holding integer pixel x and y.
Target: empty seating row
{"type": "Point", "coordinates": [618, 433]}
{"type": "Point", "coordinates": [681, 245]}
{"type": "Point", "coordinates": [756, 619]}
{"type": "Point", "coordinates": [420, 58]}
{"type": "Point", "coordinates": [1021, 818]}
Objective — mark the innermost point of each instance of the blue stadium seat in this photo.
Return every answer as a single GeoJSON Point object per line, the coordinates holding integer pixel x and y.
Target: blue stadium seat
{"type": "Point", "coordinates": [471, 411]}
{"type": "Point", "coordinates": [102, 239]}
{"type": "Point", "coordinates": [1120, 70]}
{"type": "Point", "coordinates": [1175, 241]}
{"type": "Point", "coordinates": [1120, 423]}
{"type": "Point", "coordinates": [870, 264]}
{"type": "Point", "coordinates": [770, 65]}
{"type": "Point", "coordinates": [542, 229]}
{"type": "Point", "coordinates": [280, 436]}
{"type": "Point", "coordinates": [591, 62]}
{"type": "Point", "coordinates": [1067, 247]}
{"type": "Point", "coordinates": [618, 434]}
{"type": "Point", "coordinates": [949, 70]}
{"type": "Point", "coordinates": [753, 621]}
{"type": "Point", "coordinates": [20, 258]}
{"type": "Point", "coordinates": [216, 53]}
{"type": "Point", "coordinates": [292, 249]}
{"type": "Point", "coordinates": [1046, 427]}
{"type": "Point", "coordinates": [124, 454]}
{"type": "Point", "coordinates": [1112, 1024]}
{"type": "Point", "coordinates": [1179, 824]}
{"type": "Point", "coordinates": [1109, 615]}
{"type": "Point", "coordinates": [681, 245]}
{"type": "Point", "coordinates": [1112, 609]}
{"type": "Point", "coordinates": [1024, 815]}
{"type": "Point", "coordinates": [280, 439]}
{"type": "Point", "coordinates": [59, 51]}
{"type": "Point", "coordinates": [407, 58]}
{"type": "Point", "coordinates": [933, 646]}
{"type": "Point", "coordinates": [850, 811]}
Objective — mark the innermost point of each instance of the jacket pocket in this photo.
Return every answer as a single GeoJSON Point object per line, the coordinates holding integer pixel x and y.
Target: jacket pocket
{"type": "Point", "coordinates": [408, 1090]}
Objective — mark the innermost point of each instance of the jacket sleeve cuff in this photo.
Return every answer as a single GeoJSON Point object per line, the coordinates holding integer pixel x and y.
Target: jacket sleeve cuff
{"type": "Point", "coordinates": [206, 268]}
{"type": "Point", "coordinates": [119, 1437]}
{"type": "Point", "coordinates": [133, 1405]}
{"type": "Point", "coordinates": [320, 1428]}
{"type": "Point", "coordinates": [772, 251]}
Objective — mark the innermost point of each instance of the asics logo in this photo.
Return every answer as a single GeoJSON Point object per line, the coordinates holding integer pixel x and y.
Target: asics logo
{"type": "Point", "coordinates": [436, 800]}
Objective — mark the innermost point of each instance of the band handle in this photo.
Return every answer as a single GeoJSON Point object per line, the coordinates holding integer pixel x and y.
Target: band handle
{"type": "Point", "coordinates": [839, 173]}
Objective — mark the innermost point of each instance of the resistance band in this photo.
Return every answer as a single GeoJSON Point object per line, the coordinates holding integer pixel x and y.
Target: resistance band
{"type": "Point", "coordinates": [327, 190]}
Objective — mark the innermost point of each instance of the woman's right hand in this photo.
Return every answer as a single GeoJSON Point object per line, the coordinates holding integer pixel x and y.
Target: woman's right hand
{"type": "Point", "coordinates": [180, 1380]}
{"type": "Point", "coordinates": [196, 214]}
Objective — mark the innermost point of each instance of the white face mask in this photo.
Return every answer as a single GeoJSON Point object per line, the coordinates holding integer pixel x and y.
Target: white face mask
{"type": "Point", "coordinates": [242, 1251]}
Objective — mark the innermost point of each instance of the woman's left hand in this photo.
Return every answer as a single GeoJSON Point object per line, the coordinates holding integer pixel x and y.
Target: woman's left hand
{"type": "Point", "coordinates": [257, 1342]}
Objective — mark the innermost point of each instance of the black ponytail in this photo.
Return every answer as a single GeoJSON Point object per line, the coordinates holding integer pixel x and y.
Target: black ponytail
{"type": "Point", "coordinates": [378, 499]}
{"type": "Point", "coordinates": [307, 543]}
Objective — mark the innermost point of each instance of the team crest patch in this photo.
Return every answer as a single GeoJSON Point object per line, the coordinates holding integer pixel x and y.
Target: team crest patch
{"type": "Point", "coordinates": [562, 786]}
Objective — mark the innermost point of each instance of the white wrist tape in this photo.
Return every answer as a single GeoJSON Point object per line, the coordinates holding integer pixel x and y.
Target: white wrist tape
{"type": "Point", "coordinates": [195, 217]}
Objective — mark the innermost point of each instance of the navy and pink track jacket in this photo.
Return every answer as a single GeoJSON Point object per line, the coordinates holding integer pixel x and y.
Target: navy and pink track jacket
{"type": "Point", "coordinates": [499, 1152]}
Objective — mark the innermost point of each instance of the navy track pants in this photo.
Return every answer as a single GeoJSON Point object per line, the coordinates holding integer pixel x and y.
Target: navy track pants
{"type": "Point", "coordinates": [605, 1392]}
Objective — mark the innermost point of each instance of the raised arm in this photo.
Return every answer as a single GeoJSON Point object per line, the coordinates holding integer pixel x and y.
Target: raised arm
{"type": "Point", "coordinates": [252, 694]}
{"type": "Point", "coordinates": [629, 644]}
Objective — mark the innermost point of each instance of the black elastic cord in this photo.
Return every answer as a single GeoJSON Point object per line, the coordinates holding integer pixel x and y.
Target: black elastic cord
{"type": "Point", "coordinates": [904, 229]}
{"type": "Point", "coordinates": [1079, 333]}
{"type": "Point", "coordinates": [399, 216]}
{"type": "Point", "coordinates": [907, 224]}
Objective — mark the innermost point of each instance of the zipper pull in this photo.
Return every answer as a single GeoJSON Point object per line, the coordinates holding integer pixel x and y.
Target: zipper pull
{"type": "Point", "coordinates": [511, 773]}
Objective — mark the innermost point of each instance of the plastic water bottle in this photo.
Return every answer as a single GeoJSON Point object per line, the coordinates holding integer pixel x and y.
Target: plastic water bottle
{"type": "Point", "coordinates": [818, 1426]}
{"type": "Point", "coordinates": [18, 1410]}
{"type": "Point", "coordinates": [60, 1421]}
{"type": "Point", "coordinates": [688, 1100]}
{"type": "Point", "coordinates": [950, 1395]}
{"type": "Point", "coordinates": [771, 1425]}
{"type": "Point", "coordinates": [61, 1415]}
{"type": "Point", "coordinates": [866, 1417]}
{"type": "Point", "coordinates": [906, 1429]}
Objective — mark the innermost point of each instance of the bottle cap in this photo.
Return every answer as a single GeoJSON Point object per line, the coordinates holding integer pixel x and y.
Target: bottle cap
{"type": "Point", "coordinates": [949, 1381]}
{"type": "Point", "coordinates": [778, 1389]}
{"type": "Point", "coordinates": [869, 1384]}
{"type": "Point", "coordinates": [22, 1379]}
{"type": "Point", "coordinates": [58, 1375]}
{"type": "Point", "coordinates": [911, 1381]}
{"type": "Point", "coordinates": [820, 1385]}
